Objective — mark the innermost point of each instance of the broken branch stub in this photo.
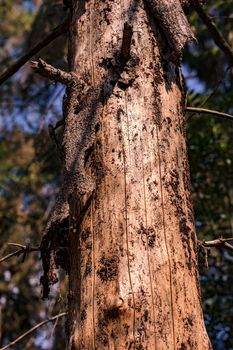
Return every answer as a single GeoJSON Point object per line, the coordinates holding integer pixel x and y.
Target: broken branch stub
{"type": "Point", "coordinates": [54, 74]}
{"type": "Point", "coordinates": [126, 42]}
{"type": "Point", "coordinates": [174, 24]}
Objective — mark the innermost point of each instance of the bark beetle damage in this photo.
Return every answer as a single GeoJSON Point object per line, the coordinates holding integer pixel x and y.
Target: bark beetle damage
{"type": "Point", "coordinates": [108, 269]}
{"type": "Point", "coordinates": [85, 234]}
{"type": "Point", "coordinates": [105, 14]}
{"type": "Point", "coordinates": [82, 110]}
{"type": "Point", "coordinates": [109, 318]}
{"type": "Point", "coordinates": [112, 313]}
{"type": "Point", "coordinates": [189, 344]}
{"type": "Point", "coordinates": [102, 336]}
{"type": "Point", "coordinates": [88, 268]}
{"type": "Point", "coordinates": [187, 235]}
{"type": "Point", "coordinates": [148, 236]}
{"type": "Point", "coordinates": [128, 76]}
{"type": "Point", "coordinates": [124, 70]}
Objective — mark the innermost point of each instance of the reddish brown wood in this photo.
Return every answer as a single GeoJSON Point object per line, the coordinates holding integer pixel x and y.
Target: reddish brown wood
{"type": "Point", "coordinates": [133, 272]}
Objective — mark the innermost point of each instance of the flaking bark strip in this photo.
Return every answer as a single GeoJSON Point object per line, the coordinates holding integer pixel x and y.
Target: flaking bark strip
{"type": "Point", "coordinates": [82, 113]}
{"type": "Point", "coordinates": [80, 133]}
{"type": "Point", "coordinates": [79, 138]}
{"type": "Point", "coordinates": [173, 22]}
{"type": "Point", "coordinates": [54, 253]}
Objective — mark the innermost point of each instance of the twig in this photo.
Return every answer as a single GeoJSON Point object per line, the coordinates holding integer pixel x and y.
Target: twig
{"type": "Point", "coordinates": [217, 36]}
{"type": "Point", "coordinates": [53, 135]}
{"type": "Point", "coordinates": [220, 242]}
{"type": "Point", "coordinates": [209, 111]}
{"type": "Point", "coordinates": [33, 329]}
{"type": "Point", "coordinates": [16, 245]}
{"type": "Point", "coordinates": [46, 70]}
{"type": "Point", "coordinates": [55, 33]}
{"type": "Point", "coordinates": [16, 253]}
{"type": "Point", "coordinates": [24, 250]}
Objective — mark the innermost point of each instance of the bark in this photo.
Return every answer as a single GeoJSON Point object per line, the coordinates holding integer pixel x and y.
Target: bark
{"type": "Point", "coordinates": [133, 274]}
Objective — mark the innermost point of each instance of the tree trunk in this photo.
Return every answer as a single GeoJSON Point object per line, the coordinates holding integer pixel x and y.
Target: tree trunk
{"type": "Point", "coordinates": [133, 278]}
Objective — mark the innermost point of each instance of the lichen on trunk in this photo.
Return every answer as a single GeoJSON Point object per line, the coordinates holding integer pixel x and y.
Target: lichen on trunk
{"type": "Point", "coordinates": [133, 274]}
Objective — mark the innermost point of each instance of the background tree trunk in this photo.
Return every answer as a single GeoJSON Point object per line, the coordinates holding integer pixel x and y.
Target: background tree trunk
{"type": "Point", "coordinates": [133, 265]}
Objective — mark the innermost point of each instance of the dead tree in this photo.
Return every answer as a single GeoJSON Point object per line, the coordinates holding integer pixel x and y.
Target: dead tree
{"type": "Point", "coordinates": [124, 214]}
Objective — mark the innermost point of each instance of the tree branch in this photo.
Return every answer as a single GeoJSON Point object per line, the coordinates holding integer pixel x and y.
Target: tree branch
{"type": "Point", "coordinates": [217, 36]}
{"type": "Point", "coordinates": [46, 70]}
{"type": "Point", "coordinates": [33, 329]}
{"type": "Point", "coordinates": [55, 33]}
{"type": "Point", "coordinates": [209, 111]}
{"type": "Point", "coordinates": [219, 243]}
{"type": "Point", "coordinates": [23, 249]}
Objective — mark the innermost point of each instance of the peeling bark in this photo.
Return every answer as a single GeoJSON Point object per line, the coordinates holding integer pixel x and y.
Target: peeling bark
{"type": "Point", "coordinates": [133, 274]}
{"type": "Point", "coordinates": [173, 22]}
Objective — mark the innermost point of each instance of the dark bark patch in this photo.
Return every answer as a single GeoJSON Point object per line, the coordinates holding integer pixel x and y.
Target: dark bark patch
{"type": "Point", "coordinates": [126, 328]}
{"type": "Point", "coordinates": [85, 234]}
{"type": "Point", "coordinates": [119, 113]}
{"type": "Point", "coordinates": [158, 76]}
{"type": "Point", "coordinates": [157, 108]}
{"type": "Point", "coordinates": [148, 235]}
{"type": "Point", "coordinates": [145, 316]}
{"type": "Point", "coordinates": [102, 335]}
{"type": "Point", "coordinates": [73, 346]}
{"type": "Point", "coordinates": [108, 269]}
{"type": "Point", "coordinates": [105, 13]}
{"type": "Point", "coordinates": [184, 228]}
{"type": "Point", "coordinates": [186, 235]}
{"type": "Point", "coordinates": [88, 153]}
{"type": "Point", "coordinates": [54, 253]}
{"type": "Point", "coordinates": [119, 132]}
{"type": "Point", "coordinates": [151, 240]}
{"type": "Point", "coordinates": [97, 127]}
{"type": "Point", "coordinates": [112, 313]}
{"type": "Point", "coordinates": [114, 335]}
{"type": "Point", "coordinates": [61, 257]}
{"type": "Point", "coordinates": [188, 321]}
{"type": "Point", "coordinates": [88, 268]}
{"type": "Point", "coordinates": [83, 315]}
{"type": "Point", "coordinates": [128, 75]}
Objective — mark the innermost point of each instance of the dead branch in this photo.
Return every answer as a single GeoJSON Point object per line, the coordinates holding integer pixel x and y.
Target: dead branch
{"type": "Point", "coordinates": [23, 250]}
{"type": "Point", "coordinates": [54, 74]}
{"type": "Point", "coordinates": [216, 35]}
{"type": "Point", "coordinates": [33, 329]}
{"type": "Point", "coordinates": [217, 243]}
{"type": "Point", "coordinates": [209, 111]}
{"type": "Point", "coordinates": [55, 33]}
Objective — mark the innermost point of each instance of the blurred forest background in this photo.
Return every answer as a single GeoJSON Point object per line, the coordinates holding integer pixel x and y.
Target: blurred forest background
{"type": "Point", "coordinates": [30, 167]}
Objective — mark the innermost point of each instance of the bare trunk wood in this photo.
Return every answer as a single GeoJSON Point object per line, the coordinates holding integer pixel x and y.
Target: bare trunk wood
{"type": "Point", "coordinates": [133, 265]}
